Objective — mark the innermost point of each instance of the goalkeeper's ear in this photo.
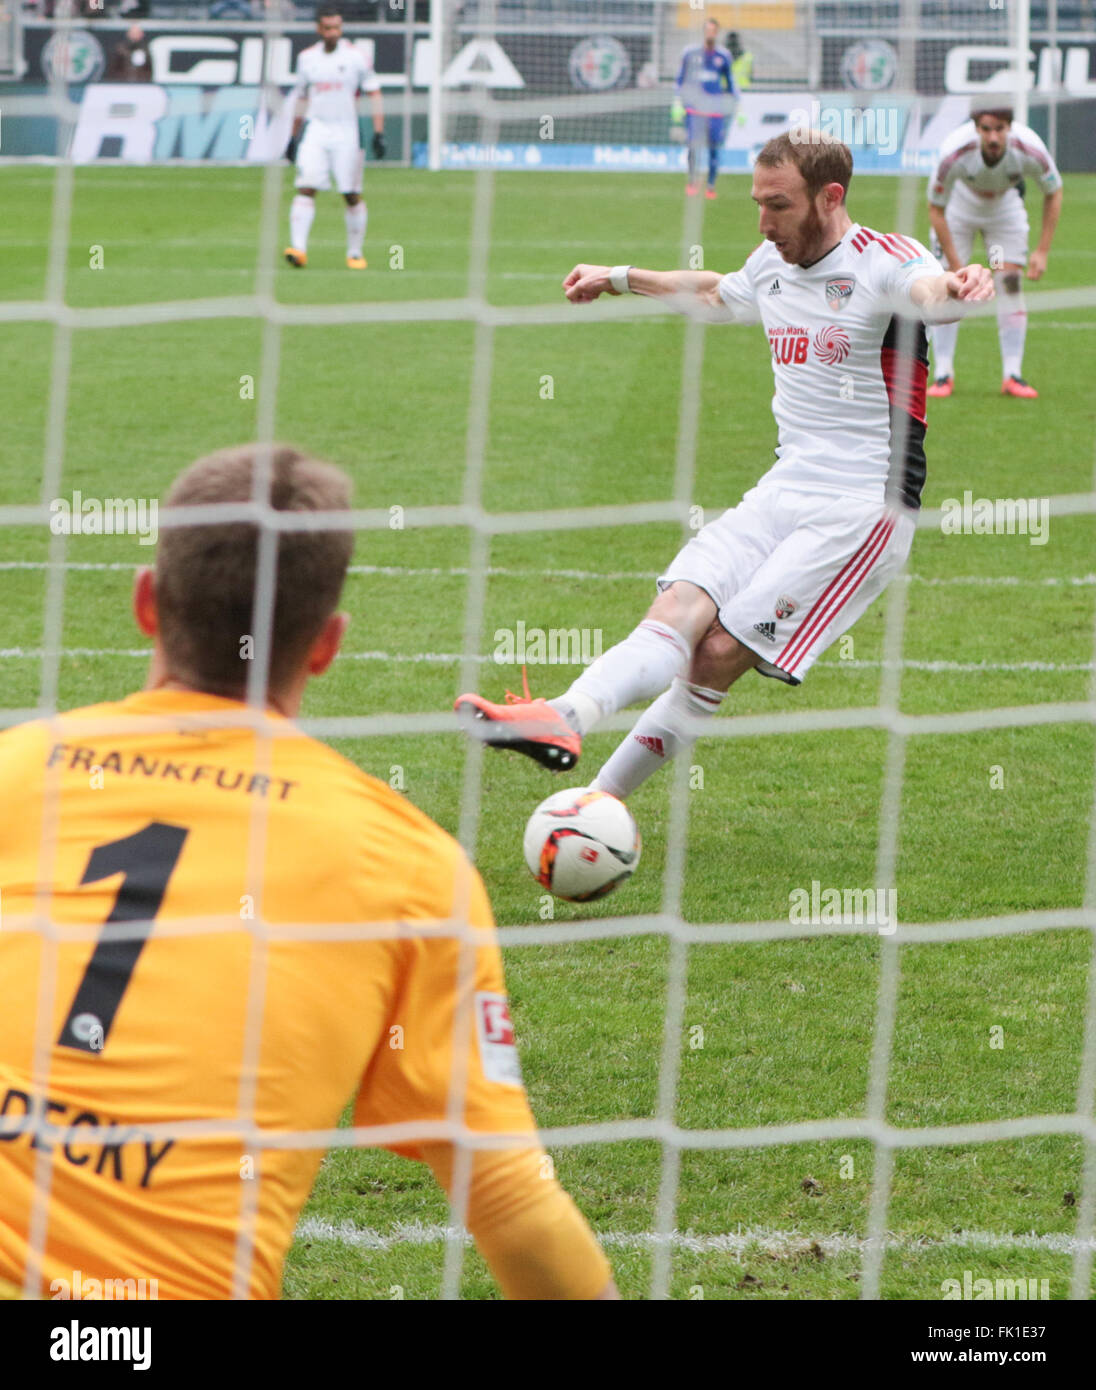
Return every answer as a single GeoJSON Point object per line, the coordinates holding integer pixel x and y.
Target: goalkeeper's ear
{"type": "Point", "coordinates": [144, 601]}
{"type": "Point", "coordinates": [326, 646]}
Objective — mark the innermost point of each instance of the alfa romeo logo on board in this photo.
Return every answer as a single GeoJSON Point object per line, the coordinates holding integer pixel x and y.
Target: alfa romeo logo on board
{"type": "Point", "coordinates": [869, 66]}
{"type": "Point", "coordinates": [73, 56]}
{"type": "Point", "coordinates": [599, 63]}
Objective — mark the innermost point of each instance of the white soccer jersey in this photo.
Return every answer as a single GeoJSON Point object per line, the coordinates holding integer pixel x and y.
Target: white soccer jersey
{"type": "Point", "coordinates": [963, 175]}
{"type": "Point", "coordinates": [850, 378]}
{"type": "Point", "coordinates": [331, 81]}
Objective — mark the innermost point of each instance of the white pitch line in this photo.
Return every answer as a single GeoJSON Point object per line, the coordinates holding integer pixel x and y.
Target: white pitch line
{"type": "Point", "coordinates": [760, 1239]}
{"type": "Point", "coordinates": [450, 658]}
{"type": "Point", "coordinates": [646, 576]}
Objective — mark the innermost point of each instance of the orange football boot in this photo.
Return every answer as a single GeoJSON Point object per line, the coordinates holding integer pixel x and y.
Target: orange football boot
{"type": "Point", "coordinates": [295, 257]}
{"type": "Point", "coordinates": [529, 726]}
{"type": "Point", "coordinates": [942, 386]}
{"type": "Point", "coordinates": [1017, 386]}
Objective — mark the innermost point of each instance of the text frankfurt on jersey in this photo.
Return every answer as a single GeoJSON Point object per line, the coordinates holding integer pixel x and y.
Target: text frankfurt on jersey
{"type": "Point", "coordinates": [98, 762]}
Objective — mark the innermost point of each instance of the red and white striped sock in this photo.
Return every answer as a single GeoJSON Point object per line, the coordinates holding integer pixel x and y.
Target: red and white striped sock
{"type": "Point", "coordinates": [662, 732]}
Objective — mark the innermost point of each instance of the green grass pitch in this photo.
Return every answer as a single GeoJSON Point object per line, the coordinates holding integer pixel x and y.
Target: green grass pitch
{"type": "Point", "coordinates": [787, 1026]}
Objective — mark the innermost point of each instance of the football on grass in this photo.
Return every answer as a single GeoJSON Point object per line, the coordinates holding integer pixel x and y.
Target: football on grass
{"type": "Point", "coordinates": [580, 844]}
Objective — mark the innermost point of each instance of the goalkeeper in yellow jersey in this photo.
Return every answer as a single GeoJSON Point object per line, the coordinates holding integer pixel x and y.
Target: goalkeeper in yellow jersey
{"type": "Point", "coordinates": [217, 930]}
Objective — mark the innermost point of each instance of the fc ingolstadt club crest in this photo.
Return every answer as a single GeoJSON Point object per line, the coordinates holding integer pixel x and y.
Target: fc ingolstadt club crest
{"type": "Point", "coordinates": [785, 607]}
{"type": "Point", "coordinates": [839, 291]}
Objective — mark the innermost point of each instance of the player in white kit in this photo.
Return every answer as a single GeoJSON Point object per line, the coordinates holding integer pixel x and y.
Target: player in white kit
{"type": "Point", "coordinates": [772, 582]}
{"type": "Point", "coordinates": [330, 75]}
{"type": "Point", "coordinates": [977, 186]}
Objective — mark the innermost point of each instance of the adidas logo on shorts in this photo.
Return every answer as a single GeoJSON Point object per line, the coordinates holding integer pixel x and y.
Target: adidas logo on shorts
{"type": "Point", "coordinates": [767, 630]}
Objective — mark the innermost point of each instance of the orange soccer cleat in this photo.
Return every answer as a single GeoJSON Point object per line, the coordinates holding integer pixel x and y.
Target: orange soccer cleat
{"type": "Point", "coordinates": [942, 386]}
{"type": "Point", "coordinates": [529, 726]}
{"type": "Point", "coordinates": [1017, 386]}
{"type": "Point", "coordinates": [356, 263]}
{"type": "Point", "coordinates": [691, 190]}
{"type": "Point", "coordinates": [295, 257]}
{"type": "Point", "coordinates": [709, 193]}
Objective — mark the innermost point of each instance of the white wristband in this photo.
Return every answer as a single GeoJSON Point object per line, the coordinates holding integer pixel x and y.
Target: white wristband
{"type": "Point", "coordinates": [618, 278]}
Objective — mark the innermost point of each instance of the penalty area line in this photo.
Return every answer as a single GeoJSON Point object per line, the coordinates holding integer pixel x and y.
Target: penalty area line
{"type": "Point", "coordinates": [762, 1239]}
{"type": "Point", "coordinates": [454, 658]}
{"type": "Point", "coordinates": [1010, 581]}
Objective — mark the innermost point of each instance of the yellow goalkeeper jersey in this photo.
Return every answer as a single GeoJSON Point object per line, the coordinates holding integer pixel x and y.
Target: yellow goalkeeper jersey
{"type": "Point", "coordinates": [264, 984]}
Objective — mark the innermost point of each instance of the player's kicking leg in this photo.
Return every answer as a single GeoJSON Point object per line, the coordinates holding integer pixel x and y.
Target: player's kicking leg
{"type": "Point", "coordinates": [723, 556]}
{"type": "Point", "coordinates": [550, 731]}
{"type": "Point", "coordinates": [789, 580]}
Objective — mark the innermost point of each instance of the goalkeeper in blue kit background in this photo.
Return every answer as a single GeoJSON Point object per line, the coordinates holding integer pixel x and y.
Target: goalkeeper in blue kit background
{"type": "Point", "coordinates": [706, 98]}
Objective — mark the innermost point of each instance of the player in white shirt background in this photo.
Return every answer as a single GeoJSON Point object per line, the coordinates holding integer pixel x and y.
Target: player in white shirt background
{"type": "Point", "coordinates": [773, 582]}
{"type": "Point", "coordinates": [330, 75]}
{"type": "Point", "coordinates": [977, 187]}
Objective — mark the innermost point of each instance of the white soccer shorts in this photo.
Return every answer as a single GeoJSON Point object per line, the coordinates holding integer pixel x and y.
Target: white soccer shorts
{"type": "Point", "coordinates": [1003, 224]}
{"type": "Point", "coordinates": [330, 151]}
{"type": "Point", "coordinates": [791, 571]}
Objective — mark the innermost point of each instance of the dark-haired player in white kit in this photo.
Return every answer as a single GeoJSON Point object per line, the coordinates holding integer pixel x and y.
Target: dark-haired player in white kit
{"type": "Point", "coordinates": [330, 75]}
{"type": "Point", "coordinates": [977, 186]}
{"type": "Point", "coordinates": [772, 582]}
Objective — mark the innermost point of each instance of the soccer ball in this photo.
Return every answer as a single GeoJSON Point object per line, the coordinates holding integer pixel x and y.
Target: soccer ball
{"type": "Point", "coordinates": [581, 843]}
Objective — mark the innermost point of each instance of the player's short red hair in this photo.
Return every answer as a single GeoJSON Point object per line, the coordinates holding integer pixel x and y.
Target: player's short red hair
{"type": "Point", "coordinates": [819, 157]}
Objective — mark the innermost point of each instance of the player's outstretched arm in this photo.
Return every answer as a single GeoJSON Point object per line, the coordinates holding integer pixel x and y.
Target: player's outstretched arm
{"type": "Point", "coordinates": [533, 1237]}
{"type": "Point", "coordinates": [691, 289]}
{"type": "Point", "coordinates": [942, 298]}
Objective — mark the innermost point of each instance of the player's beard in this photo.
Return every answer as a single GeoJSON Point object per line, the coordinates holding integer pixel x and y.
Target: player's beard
{"type": "Point", "coordinates": [808, 239]}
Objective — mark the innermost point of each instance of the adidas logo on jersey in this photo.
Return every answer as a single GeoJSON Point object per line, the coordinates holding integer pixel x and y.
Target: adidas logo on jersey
{"type": "Point", "coordinates": [767, 630]}
{"type": "Point", "coordinates": [774, 288]}
{"type": "Point", "coordinates": [654, 744]}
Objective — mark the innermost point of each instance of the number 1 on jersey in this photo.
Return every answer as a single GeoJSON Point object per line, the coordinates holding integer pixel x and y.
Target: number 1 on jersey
{"type": "Point", "coordinates": [147, 859]}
